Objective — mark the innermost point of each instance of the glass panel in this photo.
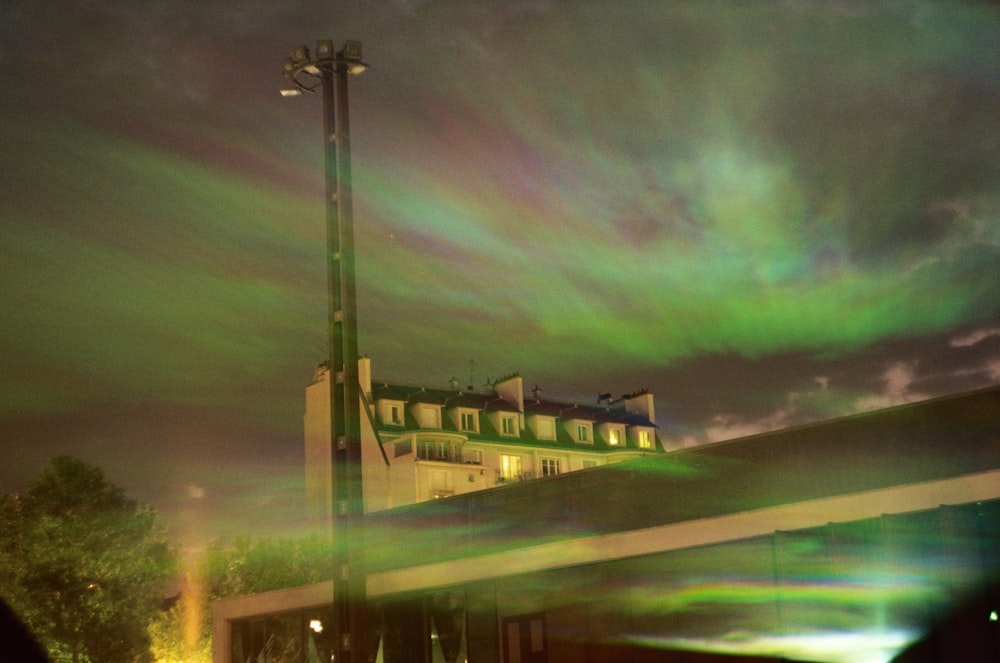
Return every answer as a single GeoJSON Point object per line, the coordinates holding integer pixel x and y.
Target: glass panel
{"type": "Point", "coordinates": [537, 635]}
{"type": "Point", "coordinates": [513, 642]}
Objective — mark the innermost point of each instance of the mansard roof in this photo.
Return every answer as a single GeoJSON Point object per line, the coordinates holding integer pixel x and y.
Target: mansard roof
{"type": "Point", "coordinates": [546, 408]}
{"type": "Point", "coordinates": [429, 396]}
{"type": "Point", "coordinates": [498, 404]}
{"type": "Point", "coordinates": [494, 403]}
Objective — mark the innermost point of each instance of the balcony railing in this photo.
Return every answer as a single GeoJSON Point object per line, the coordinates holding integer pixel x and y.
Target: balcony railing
{"type": "Point", "coordinates": [523, 476]}
{"type": "Point", "coordinates": [448, 455]}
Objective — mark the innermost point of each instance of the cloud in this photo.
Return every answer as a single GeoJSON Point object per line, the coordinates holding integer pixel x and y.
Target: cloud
{"type": "Point", "coordinates": [974, 337]}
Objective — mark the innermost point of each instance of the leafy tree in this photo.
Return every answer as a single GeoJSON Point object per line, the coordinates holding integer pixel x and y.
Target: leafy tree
{"type": "Point", "coordinates": [242, 567]}
{"type": "Point", "coordinates": [238, 567]}
{"type": "Point", "coordinates": [86, 568]}
{"type": "Point", "coordinates": [169, 635]}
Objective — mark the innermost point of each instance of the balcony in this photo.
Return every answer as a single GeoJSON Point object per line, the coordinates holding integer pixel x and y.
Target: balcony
{"type": "Point", "coordinates": [523, 476]}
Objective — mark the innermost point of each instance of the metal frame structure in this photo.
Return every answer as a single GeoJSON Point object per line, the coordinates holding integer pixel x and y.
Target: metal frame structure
{"type": "Point", "coordinates": [328, 71]}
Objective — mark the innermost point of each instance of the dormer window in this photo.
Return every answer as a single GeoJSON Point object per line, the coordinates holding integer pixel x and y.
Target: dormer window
{"type": "Point", "coordinates": [429, 416]}
{"type": "Point", "coordinates": [508, 425]}
{"type": "Point", "coordinates": [644, 440]}
{"type": "Point", "coordinates": [545, 428]}
{"type": "Point", "coordinates": [615, 436]}
{"type": "Point", "coordinates": [583, 432]}
{"type": "Point", "coordinates": [392, 413]}
{"type": "Point", "coordinates": [469, 421]}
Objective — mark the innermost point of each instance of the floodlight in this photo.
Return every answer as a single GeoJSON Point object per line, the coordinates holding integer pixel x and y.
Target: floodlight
{"type": "Point", "coordinates": [300, 54]}
{"type": "Point", "coordinates": [324, 49]}
{"type": "Point", "coordinates": [291, 92]}
{"type": "Point", "coordinates": [352, 50]}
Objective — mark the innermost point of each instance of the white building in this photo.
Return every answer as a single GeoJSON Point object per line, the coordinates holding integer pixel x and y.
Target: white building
{"type": "Point", "coordinates": [843, 540]}
{"type": "Point", "coordinates": [421, 443]}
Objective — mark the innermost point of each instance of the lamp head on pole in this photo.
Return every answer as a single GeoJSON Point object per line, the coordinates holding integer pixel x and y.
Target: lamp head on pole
{"type": "Point", "coordinates": [324, 49]}
{"type": "Point", "coordinates": [351, 53]}
{"type": "Point", "coordinates": [326, 58]}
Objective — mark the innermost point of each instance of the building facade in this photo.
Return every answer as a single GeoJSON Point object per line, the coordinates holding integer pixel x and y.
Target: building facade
{"type": "Point", "coordinates": [846, 540]}
{"type": "Point", "coordinates": [422, 443]}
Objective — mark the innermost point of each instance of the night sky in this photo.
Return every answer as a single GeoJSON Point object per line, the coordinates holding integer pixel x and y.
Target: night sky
{"type": "Point", "coordinates": [767, 213]}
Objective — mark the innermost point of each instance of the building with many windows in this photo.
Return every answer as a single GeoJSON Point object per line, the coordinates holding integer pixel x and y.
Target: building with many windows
{"type": "Point", "coordinates": [422, 443]}
{"type": "Point", "coordinates": [845, 540]}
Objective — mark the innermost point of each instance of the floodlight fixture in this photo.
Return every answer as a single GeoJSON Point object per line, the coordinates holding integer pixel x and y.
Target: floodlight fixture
{"type": "Point", "coordinates": [352, 49]}
{"type": "Point", "coordinates": [324, 49]}
{"type": "Point", "coordinates": [307, 70]}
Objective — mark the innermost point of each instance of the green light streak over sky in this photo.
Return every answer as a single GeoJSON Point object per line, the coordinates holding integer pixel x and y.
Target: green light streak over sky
{"type": "Point", "coordinates": [689, 197]}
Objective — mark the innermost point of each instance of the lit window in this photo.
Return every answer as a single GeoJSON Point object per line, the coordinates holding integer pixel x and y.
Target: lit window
{"type": "Point", "coordinates": [614, 437]}
{"type": "Point", "coordinates": [645, 442]}
{"type": "Point", "coordinates": [510, 467]}
{"type": "Point", "coordinates": [469, 421]}
{"type": "Point", "coordinates": [550, 467]}
{"type": "Point", "coordinates": [582, 432]}
{"type": "Point", "coordinates": [508, 426]}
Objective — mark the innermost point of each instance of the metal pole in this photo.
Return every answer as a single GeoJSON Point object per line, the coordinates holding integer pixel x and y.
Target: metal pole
{"type": "Point", "coordinates": [349, 592]}
{"type": "Point", "coordinates": [350, 628]}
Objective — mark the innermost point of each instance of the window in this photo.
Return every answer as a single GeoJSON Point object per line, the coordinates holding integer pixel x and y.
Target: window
{"type": "Point", "coordinates": [645, 441]}
{"type": "Point", "coordinates": [508, 425]}
{"type": "Point", "coordinates": [444, 450]}
{"type": "Point", "coordinates": [524, 638]}
{"type": "Point", "coordinates": [469, 421]}
{"type": "Point", "coordinates": [441, 484]}
{"type": "Point", "coordinates": [429, 417]}
{"type": "Point", "coordinates": [614, 436]}
{"type": "Point", "coordinates": [472, 456]}
{"type": "Point", "coordinates": [510, 467]}
{"type": "Point", "coordinates": [434, 450]}
{"type": "Point", "coordinates": [582, 432]}
{"type": "Point", "coordinates": [395, 415]}
{"type": "Point", "coordinates": [550, 467]}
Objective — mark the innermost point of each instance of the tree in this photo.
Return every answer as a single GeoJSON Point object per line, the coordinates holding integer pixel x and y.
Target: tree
{"type": "Point", "coordinates": [242, 566]}
{"type": "Point", "coordinates": [230, 568]}
{"type": "Point", "coordinates": [86, 568]}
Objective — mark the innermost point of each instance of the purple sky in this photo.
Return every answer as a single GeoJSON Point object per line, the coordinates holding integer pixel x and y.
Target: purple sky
{"type": "Point", "coordinates": [766, 213]}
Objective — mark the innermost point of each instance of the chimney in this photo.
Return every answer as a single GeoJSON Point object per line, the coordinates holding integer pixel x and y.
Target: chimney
{"type": "Point", "coordinates": [641, 403]}
{"type": "Point", "coordinates": [365, 375]}
{"type": "Point", "coordinates": [511, 389]}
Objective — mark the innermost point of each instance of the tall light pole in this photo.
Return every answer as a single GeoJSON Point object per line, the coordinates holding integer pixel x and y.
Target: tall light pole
{"type": "Point", "coordinates": [328, 70]}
